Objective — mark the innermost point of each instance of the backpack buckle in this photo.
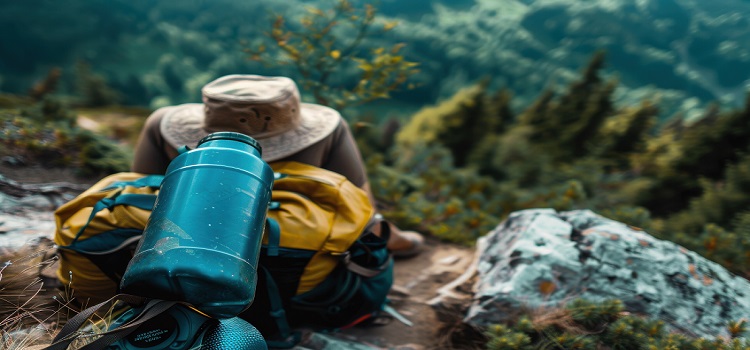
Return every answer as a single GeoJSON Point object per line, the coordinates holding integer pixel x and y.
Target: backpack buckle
{"type": "Point", "coordinates": [346, 257]}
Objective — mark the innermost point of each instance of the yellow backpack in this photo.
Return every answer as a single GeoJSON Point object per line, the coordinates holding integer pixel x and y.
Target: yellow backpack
{"type": "Point", "coordinates": [321, 237]}
{"type": "Point", "coordinates": [96, 233]}
{"type": "Point", "coordinates": [328, 270]}
{"type": "Point", "coordinates": [306, 198]}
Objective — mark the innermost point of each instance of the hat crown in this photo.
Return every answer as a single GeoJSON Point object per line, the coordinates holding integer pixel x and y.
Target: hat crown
{"type": "Point", "coordinates": [268, 109]}
{"type": "Point", "coordinates": [251, 104]}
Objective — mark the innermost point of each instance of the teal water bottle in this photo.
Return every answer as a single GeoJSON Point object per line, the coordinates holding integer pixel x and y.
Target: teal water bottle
{"type": "Point", "coordinates": [202, 241]}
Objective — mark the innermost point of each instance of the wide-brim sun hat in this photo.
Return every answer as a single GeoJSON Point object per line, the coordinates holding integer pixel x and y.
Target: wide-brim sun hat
{"type": "Point", "coordinates": [267, 109]}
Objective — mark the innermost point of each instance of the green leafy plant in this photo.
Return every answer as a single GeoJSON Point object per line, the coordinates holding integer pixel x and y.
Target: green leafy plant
{"type": "Point", "coordinates": [324, 48]}
{"type": "Point", "coordinates": [47, 133]}
{"type": "Point", "coordinates": [583, 324]}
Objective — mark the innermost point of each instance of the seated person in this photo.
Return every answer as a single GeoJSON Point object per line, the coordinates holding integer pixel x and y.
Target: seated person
{"type": "Point", "coordinates": [269, 110]}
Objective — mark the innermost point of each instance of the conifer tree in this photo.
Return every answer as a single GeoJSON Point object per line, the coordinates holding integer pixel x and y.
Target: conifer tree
{"type": "Point", "coordinates": [499, 119]}
{"type": "Point", "coordinates": [577, 96]}
{"type": "Point", "coordinates": [566, 126]}
{"type": "Point", "coordinates": [625, 134]}
{"type": "Point", "coordinates": [470, 123]}
{"type": "Point", "coordinates": [721, 203]}
{"type": "Point", "coordinates": [703, 149]}
{"type": "Point", "coordinates": [578, 135]}
{"type": "Point", "coordinates": [501, 116]}
{"type": "Point", "coordinates": [536, 115]}
{"type": "Point", "coordinates": [458, 124]}
{"type": "Point", "coordinates": [430, 122]}
{"type": "Point", "coordinates": [714, 142]}
{"type": "Point", "coordinates": [93, 88]}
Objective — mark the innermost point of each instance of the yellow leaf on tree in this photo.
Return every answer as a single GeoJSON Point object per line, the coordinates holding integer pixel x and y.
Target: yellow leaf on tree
{"type": "Point", "coordinates": [390, 25]}
{"type": "Point", "coordinates": [396, 48]}
{"type": "Point", "coordinates": [335, 54]}
{"type": "Point", "coordinates": [315, 11]}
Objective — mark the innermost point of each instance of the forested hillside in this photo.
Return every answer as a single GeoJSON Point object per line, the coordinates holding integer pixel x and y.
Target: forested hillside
{"type": "Point", "coordinates": [689, 53]}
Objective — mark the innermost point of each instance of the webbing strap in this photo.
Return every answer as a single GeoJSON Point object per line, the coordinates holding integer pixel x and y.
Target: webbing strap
{"type": "Point", "coordinates": [274, 237]}
{"type": "Point", "coordinates": [153, 181]}
{"type": "Point", "coordinates": [366, 271]}
{"type": "Point", "coordinates": [153, 309]}
{"type": "Point", "coordinates": [67, 333]}
{"type": "Point", "coordinates": [385, 234]}
{"type": "Point", "coordinates": [277, 307]}
{"type": "Point", "coordinates": [345, 291]}
{"type": "Point", "coordinates": [141, 201]}
{"type": "Point", "coordinates": [97, 207]}
{"type": "Point", "coordinates": [288, 338]}
{"type": "Point", "coordinates": [138, 200]}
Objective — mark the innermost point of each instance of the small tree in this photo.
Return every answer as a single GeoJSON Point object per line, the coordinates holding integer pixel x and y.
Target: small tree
{"type": "Point", "coordinates": [326, 44]}
{"type": "Point", "coordinates": [93, 88]}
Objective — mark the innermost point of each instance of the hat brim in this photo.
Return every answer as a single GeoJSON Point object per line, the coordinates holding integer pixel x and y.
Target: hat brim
{"type": "Point", "coordinates": [183, 126]}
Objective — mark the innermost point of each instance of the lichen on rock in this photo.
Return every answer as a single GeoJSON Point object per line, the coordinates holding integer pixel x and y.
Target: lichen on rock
{"type": "Point", "coordinates": [542, 258]}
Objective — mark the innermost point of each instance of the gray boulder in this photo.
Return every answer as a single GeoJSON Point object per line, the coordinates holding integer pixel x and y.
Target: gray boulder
{"type": "Point", "coordinates": [27, 211]}
{"type": "Point", "coordinates": [543, 258]}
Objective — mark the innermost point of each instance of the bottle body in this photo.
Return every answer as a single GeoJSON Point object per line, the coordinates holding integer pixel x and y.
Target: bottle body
{"type": "Point", "coordinates": [202, 241]}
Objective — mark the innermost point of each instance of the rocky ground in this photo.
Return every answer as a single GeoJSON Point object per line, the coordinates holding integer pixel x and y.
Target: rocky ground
{"type": "Point", "coordinates": [418, 280]}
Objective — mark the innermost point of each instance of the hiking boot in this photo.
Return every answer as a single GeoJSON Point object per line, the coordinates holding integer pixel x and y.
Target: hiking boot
{"type": "Point", "coordinates": [405, 244]}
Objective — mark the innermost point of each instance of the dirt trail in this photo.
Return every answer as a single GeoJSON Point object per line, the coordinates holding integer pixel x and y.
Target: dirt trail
{"type": "Point", "coordinates": [417, 281]}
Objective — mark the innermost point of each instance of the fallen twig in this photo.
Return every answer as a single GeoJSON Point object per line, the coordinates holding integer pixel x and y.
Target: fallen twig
{"type": "Point", "coordinates": [448, 290]}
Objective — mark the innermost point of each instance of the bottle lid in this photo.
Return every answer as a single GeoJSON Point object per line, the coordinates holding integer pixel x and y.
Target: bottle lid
{"type": "Point", "coordinates": [230, 135]}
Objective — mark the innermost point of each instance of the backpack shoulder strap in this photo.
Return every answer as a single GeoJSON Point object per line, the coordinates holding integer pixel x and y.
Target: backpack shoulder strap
{"type": "Point", "coordinates": [385, 233]}
{"type": "Point", "coordinates": [68, 333]}
{"type": "Point", "coordinates": [153, 181]}
{"type": "Point", "coordinates": [141, 201]}
{"type": "Point", "coordinates": [273, 230]}
{"type": "Point", "coordinates": [287, 338]}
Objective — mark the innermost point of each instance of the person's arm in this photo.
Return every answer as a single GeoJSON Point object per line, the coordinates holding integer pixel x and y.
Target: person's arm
{"type": "Point", "coordinates": [344, 157]}
{"type": "Point", "coordinates": [152, 153]}
{"type": "Point", "coordinates": [366, 188]}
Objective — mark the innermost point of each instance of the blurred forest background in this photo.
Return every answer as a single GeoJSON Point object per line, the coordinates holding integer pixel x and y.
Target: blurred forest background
{"type": "Point", "coordinates": [153, 53]}
{"type": "Point", "coordinates": [464, 110]}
